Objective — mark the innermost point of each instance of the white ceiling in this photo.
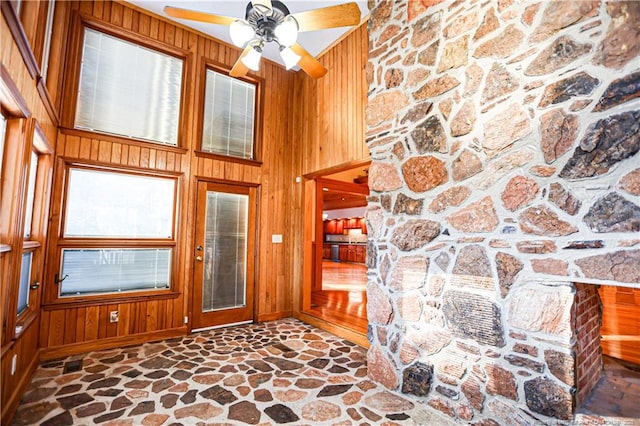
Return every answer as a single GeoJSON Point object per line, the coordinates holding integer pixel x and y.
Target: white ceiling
{"type": "Point", "coordinates": [314, 41]}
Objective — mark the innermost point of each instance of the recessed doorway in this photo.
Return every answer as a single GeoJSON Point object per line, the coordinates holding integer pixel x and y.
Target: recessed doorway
{"type": "Point", "coordinates": [336, 292]}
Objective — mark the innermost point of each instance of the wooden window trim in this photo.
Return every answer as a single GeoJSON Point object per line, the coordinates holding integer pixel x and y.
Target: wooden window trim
{"type": "Point", "coordinates": [72, 75]}
{"type": "Point", "coordinates": [227, 158]}
{"type": "Point", "coordinates": [70, 131]}
{"type": "Point", "coordinates": [110, 299]}
{"type": "Point", "coordinates": [10, 98]}
{"type": "Point", "coordinates": [57, 241]}
{"type": "Point", "coordinates": [28, 56]}
{"type": "Point", "coordinates": [20, 38]}
{"type": "Point", "coordinates": [209, 64]}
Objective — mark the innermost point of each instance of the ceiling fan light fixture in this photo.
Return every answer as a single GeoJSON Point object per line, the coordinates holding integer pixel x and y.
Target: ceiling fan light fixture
{"type": "Point", "coordinates": [287, 31]}
{"type": "Point", "coordinates": [241, 32]}
{"type": "Point", "coordinates": [289, 57]}
{"type": "Point", "coordinates": [252, 59]}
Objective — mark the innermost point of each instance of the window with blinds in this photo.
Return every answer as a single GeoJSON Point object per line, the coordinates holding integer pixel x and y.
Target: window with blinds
{"type": "Point", "coordinates": [228, 122]}
{"type": "Point", "coordinates": [118, 232]}
{"type": "Point", "coordinates": [128, 90]}
{"type": "Point", "coordinates": [113, 270]}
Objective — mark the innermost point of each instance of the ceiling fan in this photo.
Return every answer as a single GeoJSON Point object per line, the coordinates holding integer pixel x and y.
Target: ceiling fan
{"type": "Point", "coordinates": [269, 21]}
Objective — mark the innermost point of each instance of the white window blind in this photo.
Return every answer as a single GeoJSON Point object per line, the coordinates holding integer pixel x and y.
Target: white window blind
{"type": "Point", "coordinates": [95, 271]}
{"type": "Point", "coordinates": [128, 90]}
{"type": "Point", "coordinates": [229, 110]}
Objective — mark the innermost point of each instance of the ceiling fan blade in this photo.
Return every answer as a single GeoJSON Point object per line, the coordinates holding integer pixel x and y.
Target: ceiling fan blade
{"type": "Point", "coordinates": [342, 15]}
{"type": "Point", "coordinates": [193, 15]}
{"type": "Point", "coordinates": [239, 68]}
{"type": "Point", "coordinates": [308, 63]}
{"type": "Point", "coordinates": [261, 4]}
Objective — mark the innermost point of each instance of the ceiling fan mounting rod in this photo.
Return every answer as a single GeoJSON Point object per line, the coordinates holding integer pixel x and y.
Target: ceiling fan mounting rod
{"type": "Point", "coordinates": [266, 21]}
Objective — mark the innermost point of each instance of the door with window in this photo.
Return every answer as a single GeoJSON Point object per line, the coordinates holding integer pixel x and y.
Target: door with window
{"type": "Point", "coordinates": [224, 255]}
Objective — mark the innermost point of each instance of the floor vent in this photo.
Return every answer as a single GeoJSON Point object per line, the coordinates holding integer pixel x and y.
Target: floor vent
{"type": "Point", "coordinates": [72, 366]}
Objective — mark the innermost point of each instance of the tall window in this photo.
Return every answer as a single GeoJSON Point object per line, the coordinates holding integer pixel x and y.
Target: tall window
{"type": "Point", "coordinates": [106, 213]}
{"type": "Point", "coordinates": [128, 90]}
{"type": "Point", "coordinates": [229, 111]}
{"type": "Point", "coordinates": [3, 130]}
{"type": "Point", "coordinates": [25, 282]}
{"type": "Point", "coordinates": [44, 66]}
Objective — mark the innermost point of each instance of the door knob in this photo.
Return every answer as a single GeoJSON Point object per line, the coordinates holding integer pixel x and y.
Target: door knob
{"type": "Point", "coordinates": [198, 258]}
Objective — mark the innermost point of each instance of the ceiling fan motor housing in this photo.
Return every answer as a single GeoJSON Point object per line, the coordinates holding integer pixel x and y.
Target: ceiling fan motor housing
{"type": "Point", "coordinates": [265, 23]}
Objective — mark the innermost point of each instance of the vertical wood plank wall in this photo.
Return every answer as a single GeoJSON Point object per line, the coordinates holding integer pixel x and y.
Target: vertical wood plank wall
{"type": "Point", "coordinates": [307, 125]}
{"type": "Point", "coordinates": [75, 324]}
{"type": "Point", "coordinates": [330, 132]}
{"type": "Point", "coordinates": [332, 108]}
{"type": "Point", "coordinates": [25, 345]}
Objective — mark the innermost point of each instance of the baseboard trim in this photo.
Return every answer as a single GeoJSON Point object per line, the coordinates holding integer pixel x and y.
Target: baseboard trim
{"type": "Point", "coordinates": [63, 351]}
{"type": "Point", "coordinates": [274, 316]}
{"type": "Point", "coordinates": [338, 330]}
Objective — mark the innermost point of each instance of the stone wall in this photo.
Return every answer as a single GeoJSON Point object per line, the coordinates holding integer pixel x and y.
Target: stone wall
{"type": "Point", "coordinates": [504, 136]}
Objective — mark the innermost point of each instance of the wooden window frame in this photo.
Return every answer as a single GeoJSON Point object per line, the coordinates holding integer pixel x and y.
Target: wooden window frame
{"type": "Point", "coordinates": [40, 145]}
{"type": "Point", "coordinates": [72, 79]}
{"type": "Point", "coordinates": [58, 241]}
{"type": "Point", "coordinates": [207, 64]}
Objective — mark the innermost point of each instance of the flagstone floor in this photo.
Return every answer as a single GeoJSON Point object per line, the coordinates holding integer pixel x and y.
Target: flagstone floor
{"type": "Point", "coordinates": [271, 373]}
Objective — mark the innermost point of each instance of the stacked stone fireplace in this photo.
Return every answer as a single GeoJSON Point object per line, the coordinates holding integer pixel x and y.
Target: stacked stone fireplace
{"type": "Point", "coordinates": [505, 186]}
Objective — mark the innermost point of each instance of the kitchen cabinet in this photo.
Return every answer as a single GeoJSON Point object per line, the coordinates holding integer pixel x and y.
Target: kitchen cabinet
{"type": "Point", "coordinates": [351, 253]}
{"type": "Point", "coordinates": [326, 251]}
{"type": "Point", "coordinates": [361, 254]}
{"type": "Point", "coordinates": [338, 226]}
{"type": "Point", "coordinates": [344, 252]}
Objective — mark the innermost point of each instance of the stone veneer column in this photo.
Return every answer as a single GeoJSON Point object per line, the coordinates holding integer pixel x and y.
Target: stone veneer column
{"type": "Point", "coordinates": [504, 136]}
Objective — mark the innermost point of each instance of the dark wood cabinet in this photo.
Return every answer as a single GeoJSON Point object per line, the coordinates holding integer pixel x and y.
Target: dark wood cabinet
{"type": "Point", "coordinates": [326, 251]}
{"type": "Point", "coordinates": [344, 250]}
{"type": "Point", "coordinates": [361, 254]}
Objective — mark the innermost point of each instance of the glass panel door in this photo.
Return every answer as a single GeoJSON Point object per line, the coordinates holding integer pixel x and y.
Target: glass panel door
{"type": "Point", "coordinates": [225, 248]}
{"type": "Point", "coordinates": [224, 255]}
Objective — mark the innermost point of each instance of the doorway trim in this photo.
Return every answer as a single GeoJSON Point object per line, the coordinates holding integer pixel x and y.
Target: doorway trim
{"type": "Point", "coordinates": [309, 240]}
{"type": "Point", "coordinates": [252, 255]}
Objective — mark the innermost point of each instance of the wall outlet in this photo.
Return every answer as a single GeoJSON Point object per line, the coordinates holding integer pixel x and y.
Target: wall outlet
{"type": "Point", "coordinates": [186, 320]}
{"type": "Point", "coordinates": [14, 364]}
{"type": "Point", "coordinates": [113, 316]}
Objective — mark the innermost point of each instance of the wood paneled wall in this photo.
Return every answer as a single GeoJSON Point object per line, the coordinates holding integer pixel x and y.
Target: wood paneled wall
{"type": "Point", "coordinates": [23, 345]}
{"type": "Point", "coordinates": [77, 326]}
{"type": "Point", "coordinates": [306, 125]}
{"type": "Point", "coordinates": [330, 133]}
{"type": "Point", "coordinates": [332, 108]}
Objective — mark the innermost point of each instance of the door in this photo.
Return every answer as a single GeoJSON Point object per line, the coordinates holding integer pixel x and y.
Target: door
{"type": "Point", "coordinates": [224, 255]}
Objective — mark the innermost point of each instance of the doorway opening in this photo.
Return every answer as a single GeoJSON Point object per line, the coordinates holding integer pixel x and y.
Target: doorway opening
{"type": "Point", "coordinates": [336, 290]}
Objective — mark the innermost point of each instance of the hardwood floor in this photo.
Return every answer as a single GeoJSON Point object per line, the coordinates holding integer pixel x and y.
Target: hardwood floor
{"type": "Point", "coordinates": [343, 298]}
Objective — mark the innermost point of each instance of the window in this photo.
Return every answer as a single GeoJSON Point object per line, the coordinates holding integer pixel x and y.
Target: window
{"type": "Point", "coordinates": [3, 130]}
{"type": "Point", "coordinates": [118, 232]}
{"type": "Point", "coordinates": [111, 205]}
{"type": "Point", "coordinates": [31, 189]}
{"type": "Point", "coordinates": [44, 66]}
{"type": "Point", "coordinates": [91, 271]}
{"type": "Point", "coordinates": [25, 282]}
{"type": "Point", "coordinates": [128, 90]}
{"type": "Point", "coordinates": [229, 111]}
